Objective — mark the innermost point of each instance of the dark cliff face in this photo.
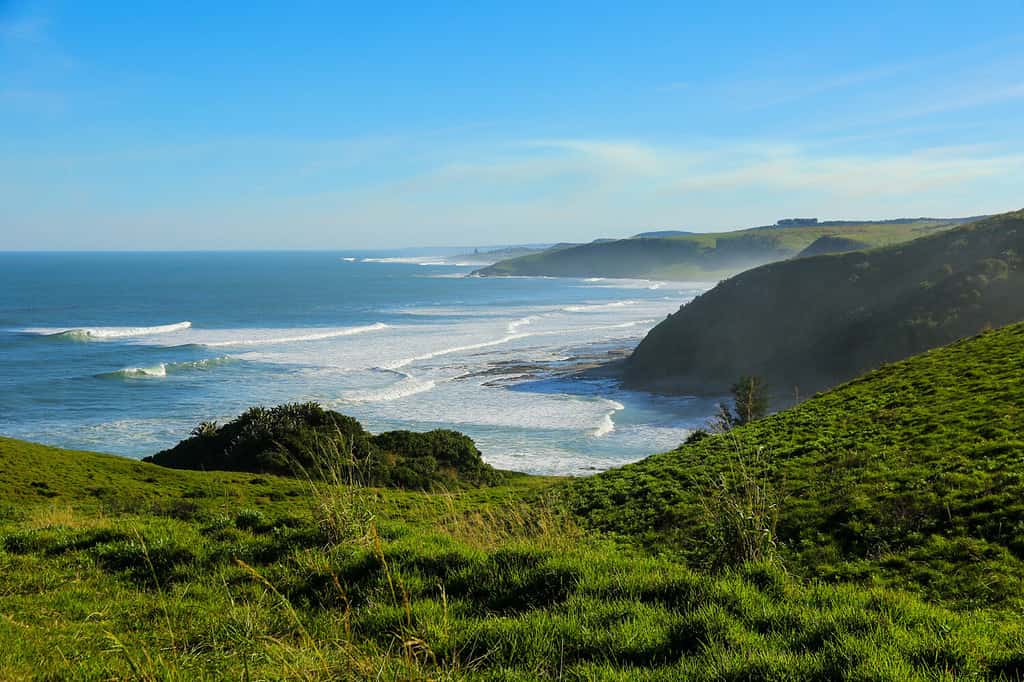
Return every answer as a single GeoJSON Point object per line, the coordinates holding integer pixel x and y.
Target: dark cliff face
{"type": "Point", "coordinates": [810, 323]}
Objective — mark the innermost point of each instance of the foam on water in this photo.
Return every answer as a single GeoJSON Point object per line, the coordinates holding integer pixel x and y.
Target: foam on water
{"type": "Point", "coordinates": [481, 356]}
{"type": "Point", "coordinates": [164, 368]}
{"type": "Point", "coordinates": [594, 307]}
{"type": "Point", "coordinates": [514, 325]}
{"type": "Point", "coordinates": [405, 362]}
{"type": "Point", "coordinates": [648, 284]}
{"type": "Point", "coordinates": [154, 371]}
{"type": "Point", "coordinates": [407, 260]}
{"type": "Point", "coordinates": [607, 424]}
{"type": "Point", "coordinates": [264, 337]}
{"type": "Point", "coordinates": [101, 333]}
{"type": "Point", "coordinates": [404, 388]}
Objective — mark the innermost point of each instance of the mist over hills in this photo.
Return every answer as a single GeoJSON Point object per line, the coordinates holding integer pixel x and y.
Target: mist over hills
{"type": "Point", "coordinates": [679, 255]}
{"type": "Point", "coordinates": [809, 323]}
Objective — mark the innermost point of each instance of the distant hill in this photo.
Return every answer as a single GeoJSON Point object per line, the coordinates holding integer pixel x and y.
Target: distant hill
{"type": "Point", "coordinates": [910, 476]}
{"type": "Point", "coordinates": [662, 233]}
{"type": "Point", "coordinates": [833, 244]}
{"type": "Point", "coordinates": [484, 256]}
{"type": "Point", "coordinates": [703, 257]}
{"type": "Point", "coordinates": [813, 322]}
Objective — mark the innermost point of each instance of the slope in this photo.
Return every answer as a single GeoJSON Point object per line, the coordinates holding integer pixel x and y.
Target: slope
{"type": "Point", "coordinates": [810, 323]}
{"type": "Point", "coordinates": [702, 257]}
{"type": "Point", "coordinates": [912, 475]}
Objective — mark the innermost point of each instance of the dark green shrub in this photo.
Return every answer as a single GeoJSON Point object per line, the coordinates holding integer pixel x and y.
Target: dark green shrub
{"type": "Point", "coordinates": [309, 441]}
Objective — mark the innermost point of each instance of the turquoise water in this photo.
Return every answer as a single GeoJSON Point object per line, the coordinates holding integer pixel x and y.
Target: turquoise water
{"type": "Point", "coordinates": [126, 352]}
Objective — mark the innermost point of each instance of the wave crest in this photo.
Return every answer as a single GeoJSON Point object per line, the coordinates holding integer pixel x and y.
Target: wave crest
{"type": "Point", "coordinates": [312, 336]}
{"type": "Point", "coordinates": [100, 333]}
{"type": "Point", "coordinates": [593, 307]}
{"type": "Point", "coordinates": [607, 424]}
{"type": "Point", "coordinates": [164, 368]}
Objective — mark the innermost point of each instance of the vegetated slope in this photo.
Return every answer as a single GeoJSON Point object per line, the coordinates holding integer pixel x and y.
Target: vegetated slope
{"type": "Point", "coordinates": [488, 256]}
{"type": "Point", "coordinates": [833, 244]}
{"type": "Point", "coordinates": [912, 475]}
{"type": "Point", "coordinates": [301, 439]}
{"type": "Point", "coordinates": [117, 569]}
{"type": "Point", "coordinates": [662, 233]}
{"type": "Point", "coordinates": [813, 322]}
{"type": "Point", "coordinates": [703, 257]}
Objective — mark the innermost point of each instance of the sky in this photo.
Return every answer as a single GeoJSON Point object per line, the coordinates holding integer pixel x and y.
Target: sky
{"type": "Point", "coordinates": [304, 125]}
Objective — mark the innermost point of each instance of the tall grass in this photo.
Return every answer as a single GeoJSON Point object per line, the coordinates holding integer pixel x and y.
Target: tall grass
{"type": "Point", "coordinates": [341, 506]}
{"type": "Point", "coordinates": [741, 507]}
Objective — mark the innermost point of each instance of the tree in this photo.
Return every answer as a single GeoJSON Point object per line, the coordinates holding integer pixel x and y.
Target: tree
{"type": "Point", "coordinates": [750, 399]}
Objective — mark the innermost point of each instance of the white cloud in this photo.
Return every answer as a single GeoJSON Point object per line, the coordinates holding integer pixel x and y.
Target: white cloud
{"type": "Point", "coordinates": [855, 176]}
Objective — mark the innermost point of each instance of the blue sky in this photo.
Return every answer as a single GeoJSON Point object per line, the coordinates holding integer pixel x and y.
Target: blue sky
{"type": "Point", "coordinates": [336, 125]}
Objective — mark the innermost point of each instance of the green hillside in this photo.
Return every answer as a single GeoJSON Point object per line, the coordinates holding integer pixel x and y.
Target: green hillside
{"type": "Point", "coordinates": [832, 244]}
{"type": "Point", "coordinates": [810, 323]}
{"type": "Point", "coordinates": [910, 476]}
{"type": "Point", "coordinates": [875, 532]}
{"type": "Point", "coordinates": [704, 257]}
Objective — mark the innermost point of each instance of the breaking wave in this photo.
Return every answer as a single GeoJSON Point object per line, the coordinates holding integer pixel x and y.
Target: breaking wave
{"type": "Point", "coordinates": [311, 336]}
{"type": "Point", "coordinates": [100, 333]}
{"type": "Point", "coordinates": [514, 325]}
{"type": "Point", "coordinates": [593, 307]}
{"type": "Point", "coordinates": [164, 368]}
{"type": "Point", "coordinates": [607, 424]}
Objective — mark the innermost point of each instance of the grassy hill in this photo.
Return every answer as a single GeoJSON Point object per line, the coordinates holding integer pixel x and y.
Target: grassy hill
{"type": "Point", "coordinates": [488, 256]}
{"type": "Point", "coordinates": [114, 569]}
{"type": "Point", "coordinates": [875, 532]}
{"type": "Point", "coordinates": [831, 244]}
{"type": "Point", "coordinates": [812, 322]}
{"type": "Point", "coordinates": [704, 257]}
{"type": "Point", "coordinates": [910, 476]}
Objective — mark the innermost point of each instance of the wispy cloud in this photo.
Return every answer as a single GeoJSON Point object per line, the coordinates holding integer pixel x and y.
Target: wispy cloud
{"type": "Point", "coordinates": [538, 190]}
{"type": "Point", "coordinates": [861, 177]}
{"type": "Point", "coordinates": [621, 156]}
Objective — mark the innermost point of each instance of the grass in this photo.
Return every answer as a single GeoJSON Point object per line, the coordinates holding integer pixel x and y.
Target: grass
{"type": "Point", "coordinates": [873, 533]}
{"type": "Point", "coordinates": [911, 476]}
{"type": "Point", "coordinates": [264, 594]}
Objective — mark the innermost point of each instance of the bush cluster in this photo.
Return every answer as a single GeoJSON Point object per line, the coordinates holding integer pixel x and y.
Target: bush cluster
{"type": "Point", "coordinates": [306, 439]}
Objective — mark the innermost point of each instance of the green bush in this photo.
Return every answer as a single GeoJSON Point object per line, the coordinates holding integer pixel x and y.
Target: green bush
{"type": "Point", "coordinates": [308, 441]}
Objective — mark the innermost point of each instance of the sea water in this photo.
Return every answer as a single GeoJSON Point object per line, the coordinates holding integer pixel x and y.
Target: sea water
{"type": "Point", "coordinates": [126, 352]}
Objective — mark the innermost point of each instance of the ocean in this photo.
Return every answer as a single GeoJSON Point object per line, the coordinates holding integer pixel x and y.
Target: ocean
{"type": "Point", "coordinates": [126, 352]}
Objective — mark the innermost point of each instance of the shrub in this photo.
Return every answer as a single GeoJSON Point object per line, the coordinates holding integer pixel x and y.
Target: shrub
{"type": "Point", "coordinates": [307, 440]}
